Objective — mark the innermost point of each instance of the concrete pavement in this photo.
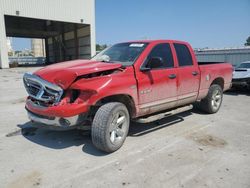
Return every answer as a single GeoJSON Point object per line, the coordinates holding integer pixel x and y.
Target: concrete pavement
{"type": "Point", "coordinates": [191, 149]}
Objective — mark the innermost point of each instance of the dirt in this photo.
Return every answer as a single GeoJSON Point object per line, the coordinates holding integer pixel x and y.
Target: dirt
{"type": "Point", "coordinates": [14, 133]}
{"type": "Point", "coordinates": [21, 100]}
{"type": "Point", "coordinates": [207, 140]}
{"type": "Point", "coordinates": [33, 179]}
{"type": "Point", "coordinates": [29, 131]}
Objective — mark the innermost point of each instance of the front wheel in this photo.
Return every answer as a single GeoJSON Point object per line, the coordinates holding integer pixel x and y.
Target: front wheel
{"type": "Point", "coordinates": [110, 126]}
{"type": "Point", "coordinates": [212, 103]}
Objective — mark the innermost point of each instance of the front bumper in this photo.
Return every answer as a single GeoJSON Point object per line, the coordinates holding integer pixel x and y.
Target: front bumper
{"type": "Point", "coordinates": [67, 110]}
{"type": "Point", "coordinates": [54, 122]}
{"type": "Point", "coordinates": [57, 117]}
{"type": "Point", "coordinates": [243, 82]}
{"type": "Point", "coordinates": [57, 123]}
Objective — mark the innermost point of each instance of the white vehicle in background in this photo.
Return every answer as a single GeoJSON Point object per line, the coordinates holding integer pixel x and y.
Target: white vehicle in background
{"type": "Point", "coordinates": [241, 75]}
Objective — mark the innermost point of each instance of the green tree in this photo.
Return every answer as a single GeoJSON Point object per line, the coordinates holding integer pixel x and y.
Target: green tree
{"type": "Point", "coordinates": [97, 47]}
{"type": "Point", "coordinates": [248, 42]}
{"type": "Point", "coordinates": [100, 47]}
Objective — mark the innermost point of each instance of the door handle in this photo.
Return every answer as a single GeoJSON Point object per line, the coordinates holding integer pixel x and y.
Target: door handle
{"type": "Point", "coordinates": [172, 76]}
{"type": "Point", "coordinates": [195, 73]}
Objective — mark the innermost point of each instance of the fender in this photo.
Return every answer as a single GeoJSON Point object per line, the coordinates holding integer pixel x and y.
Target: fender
{"type": "Point", "coordinates": [118, 83]}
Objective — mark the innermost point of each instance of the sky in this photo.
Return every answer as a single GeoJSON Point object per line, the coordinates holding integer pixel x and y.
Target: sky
{"type": "Point", "coordinates": [207, 23]}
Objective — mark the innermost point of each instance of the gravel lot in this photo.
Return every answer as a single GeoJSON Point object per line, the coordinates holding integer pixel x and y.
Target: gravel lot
{"type": "Point", "coordinates": [188, 150]}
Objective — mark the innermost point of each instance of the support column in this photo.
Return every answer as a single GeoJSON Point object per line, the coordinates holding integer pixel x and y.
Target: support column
{"type": "Point", "coordinates": [4, 60]}
{"type": "Point", "coordinates": [92, 31]}
{"type": "Point", "coordinates": [47, 52]}
{"type": "Point", "coordinates": [76, 42]}
{"type": "Point", "coordinates": [63, 43]}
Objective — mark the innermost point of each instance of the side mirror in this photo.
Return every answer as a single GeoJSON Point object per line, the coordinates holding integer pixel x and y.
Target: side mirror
{"type": "Point", "coordinates": [153, 62]}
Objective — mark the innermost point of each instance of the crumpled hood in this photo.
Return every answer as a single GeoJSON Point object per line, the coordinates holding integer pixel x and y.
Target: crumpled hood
{"type": "Point", "coordinates": [64, 74]}
{"type": "Point", "coordinates": [241, 73]}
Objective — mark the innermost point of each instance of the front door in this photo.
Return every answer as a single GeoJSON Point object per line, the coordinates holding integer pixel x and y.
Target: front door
{"type": "Point", "coordinates": [157, 87]}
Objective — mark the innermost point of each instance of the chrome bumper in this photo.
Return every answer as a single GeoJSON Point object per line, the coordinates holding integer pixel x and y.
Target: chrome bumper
{"type": "Point", "coordinates": [56, 122]}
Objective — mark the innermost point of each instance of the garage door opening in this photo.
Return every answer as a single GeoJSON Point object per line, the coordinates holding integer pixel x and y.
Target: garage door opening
{"type": "Point", "coordinates": [62, 41]}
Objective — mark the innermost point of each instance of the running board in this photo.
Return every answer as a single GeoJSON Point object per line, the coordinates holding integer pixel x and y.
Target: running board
{"type": "Point", "coordinates": [164, 114]}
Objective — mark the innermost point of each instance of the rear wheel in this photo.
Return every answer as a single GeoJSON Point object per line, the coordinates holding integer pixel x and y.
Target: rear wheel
{"type": "Point", "coordinates": [110, 126]}
{"type": "Point", "coordinates": [212, 103]}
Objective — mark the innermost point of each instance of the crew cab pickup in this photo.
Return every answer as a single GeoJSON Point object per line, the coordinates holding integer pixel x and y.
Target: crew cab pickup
{"type": "Point", "coordinates": [127, 81]}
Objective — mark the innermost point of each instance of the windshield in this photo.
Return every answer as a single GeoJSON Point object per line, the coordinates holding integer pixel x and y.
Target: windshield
{"type": "Point", "coordinates": [124, 53]}
{"type": "Point", "coordinates": [244, 65]}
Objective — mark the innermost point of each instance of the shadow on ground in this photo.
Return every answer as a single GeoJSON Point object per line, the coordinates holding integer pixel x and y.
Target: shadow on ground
{"type": "Point", "coordinates": [65, 139]}
{"type": "Point", "coordinates": [238, 91]}
{"type": "Point", "coordinates": [140, 129]}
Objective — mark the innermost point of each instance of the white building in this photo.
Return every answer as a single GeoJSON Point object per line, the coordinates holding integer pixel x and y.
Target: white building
{"type": "Point", "coordinates": [234, 56]}
{"type": "Point", "coordinates": [68, 27]}
{"type": "Point", "coordinates": [9, 44]}
{"type": "Point", "coordinates": [38, 47]}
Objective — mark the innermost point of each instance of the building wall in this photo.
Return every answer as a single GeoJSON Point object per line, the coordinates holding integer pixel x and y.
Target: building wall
{"type": "Point", "coordinates": [3, 45]}
{"type": "Point", "coordinates": [77, 11]}
{"type": "Point", "coordinates": [233, 56]}
{"type": "Point", "coordinates": [9, 44]}
{"type": "Point", "coordinates": [58, 10]}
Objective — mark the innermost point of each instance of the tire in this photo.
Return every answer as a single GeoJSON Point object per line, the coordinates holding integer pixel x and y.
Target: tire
{"type": "Point", "coordinates": [212, 103]}
{"type": "Point", "coordinates": [110, 127]}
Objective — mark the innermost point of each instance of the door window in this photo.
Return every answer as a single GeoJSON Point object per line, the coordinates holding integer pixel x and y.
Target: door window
{"type": "Point", "coordinates": [164, 52]}
{"type": "Point", "coordinates": [183, 55]}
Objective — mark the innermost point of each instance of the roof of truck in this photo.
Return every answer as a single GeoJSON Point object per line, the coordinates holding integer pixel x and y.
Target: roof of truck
{"type": "Point", "coordinates": [159, 40]}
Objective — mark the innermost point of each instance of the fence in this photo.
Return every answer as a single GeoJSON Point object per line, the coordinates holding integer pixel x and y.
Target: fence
{"type": "Point", "coordinates": [27, 60]}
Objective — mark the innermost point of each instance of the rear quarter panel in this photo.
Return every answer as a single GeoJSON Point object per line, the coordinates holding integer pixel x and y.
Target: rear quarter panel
{"type": "Point", "coordinates": [211, 72]}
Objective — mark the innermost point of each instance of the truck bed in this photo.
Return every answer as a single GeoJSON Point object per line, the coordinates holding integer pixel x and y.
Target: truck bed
{"type": "Point", "coordinates": [211, 62]}
{"type": "Point", "coordinates": [212, 70]}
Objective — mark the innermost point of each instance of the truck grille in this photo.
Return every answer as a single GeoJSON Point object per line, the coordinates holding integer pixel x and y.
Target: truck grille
{"type": "Point", "coordinates": [42, 90]}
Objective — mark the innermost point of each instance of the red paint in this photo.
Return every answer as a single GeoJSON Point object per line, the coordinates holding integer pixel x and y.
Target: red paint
{"type": "Point", "coordinates": [65, 73]}
{"type": "Point", "coordinates": [130, 81]}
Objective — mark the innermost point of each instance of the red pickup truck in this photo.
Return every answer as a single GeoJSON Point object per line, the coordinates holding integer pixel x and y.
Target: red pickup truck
{"type": "Point", "coordinates": [127, 81]}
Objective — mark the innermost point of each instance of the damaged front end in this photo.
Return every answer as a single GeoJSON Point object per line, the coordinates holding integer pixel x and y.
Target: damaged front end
{"type": "Point", "coordinates": [50, 105]}
{"type": "Point", "coordinates": [41, 90]}
{"type": "Point", "coordinates": [61, 95]}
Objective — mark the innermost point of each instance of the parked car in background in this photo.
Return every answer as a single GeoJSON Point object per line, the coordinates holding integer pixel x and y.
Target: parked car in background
{"type": "Point", "coordinates": [128, 81]}
{"type": "Point", "coordinates": [241, 75]}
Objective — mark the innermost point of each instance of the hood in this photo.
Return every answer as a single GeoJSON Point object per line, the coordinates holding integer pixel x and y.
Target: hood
{"type": "Point", "coordinates": [64, 74]}
{"type": "Point", "coordinates": [241, 73]}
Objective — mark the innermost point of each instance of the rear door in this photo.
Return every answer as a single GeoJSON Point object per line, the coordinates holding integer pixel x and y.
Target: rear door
{"type": "Point", "coordinates": [188, 74]}
{"type": "Point", "coordinates": [157, 88]}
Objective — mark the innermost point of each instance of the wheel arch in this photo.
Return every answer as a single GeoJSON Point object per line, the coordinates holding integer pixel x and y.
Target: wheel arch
{"type": "Point", "coordinates": [127, 100]}
{"type": "Point", "coordinates": [219, 81]}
